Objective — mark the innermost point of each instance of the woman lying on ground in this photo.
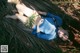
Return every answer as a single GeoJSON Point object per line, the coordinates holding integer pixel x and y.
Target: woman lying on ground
{"type": "Point", "coordinates": [45, 24]}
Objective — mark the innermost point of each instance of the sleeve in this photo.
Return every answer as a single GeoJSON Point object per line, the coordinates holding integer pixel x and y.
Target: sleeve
{"type": "Point", "coordinates": [57, 18]}
{"type": "Point", "coordinates": [58, 21]}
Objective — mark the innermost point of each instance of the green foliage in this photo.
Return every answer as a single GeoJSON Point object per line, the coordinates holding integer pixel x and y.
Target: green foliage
{"type": "Point", "coordinates": [30, 21]}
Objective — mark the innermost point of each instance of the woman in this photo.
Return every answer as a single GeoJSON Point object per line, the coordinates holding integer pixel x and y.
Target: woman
{"type": "Point", "coordinates": [52, 27]}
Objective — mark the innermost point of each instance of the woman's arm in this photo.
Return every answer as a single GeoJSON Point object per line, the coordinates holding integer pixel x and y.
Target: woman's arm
{"type": "Point", "coordinates": [42, 13]}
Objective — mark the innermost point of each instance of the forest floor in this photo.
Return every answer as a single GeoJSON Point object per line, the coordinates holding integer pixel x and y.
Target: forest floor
{"type": "Point", "coordinates": [70, 48]}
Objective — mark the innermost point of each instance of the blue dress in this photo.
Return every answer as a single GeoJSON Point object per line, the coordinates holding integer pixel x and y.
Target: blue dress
{"type": "Point", "coordinates": [48, 28]}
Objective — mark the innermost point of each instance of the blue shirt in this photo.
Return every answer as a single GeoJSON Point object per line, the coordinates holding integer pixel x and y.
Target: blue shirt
{"type": "Point", "coordinates": [48, 29]}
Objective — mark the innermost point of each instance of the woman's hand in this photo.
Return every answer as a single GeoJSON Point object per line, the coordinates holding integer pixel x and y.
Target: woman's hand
{"type": "Point", "coordinates": [43, 13]}
{"type": "Point", "coordinates": [39, 23]}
